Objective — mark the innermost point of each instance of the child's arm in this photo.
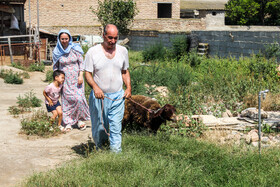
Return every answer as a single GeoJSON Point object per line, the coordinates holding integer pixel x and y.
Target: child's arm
{"type": "Point", "coordinates": [47, 97]}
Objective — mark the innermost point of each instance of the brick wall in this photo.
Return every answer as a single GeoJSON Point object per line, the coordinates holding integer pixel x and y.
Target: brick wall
{"type": "Point", "coordinates": [177, 25]}
{"type": "Point", "coordinates": [148, 8]}
{"type": "Point", "coordinates": [62, 14]}
{"type": "Point", "coordinates": [79, 19]}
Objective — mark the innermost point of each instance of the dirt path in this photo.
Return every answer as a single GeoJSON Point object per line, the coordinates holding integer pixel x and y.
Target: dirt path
{"type": "Point", "coordinates": [20, 157]}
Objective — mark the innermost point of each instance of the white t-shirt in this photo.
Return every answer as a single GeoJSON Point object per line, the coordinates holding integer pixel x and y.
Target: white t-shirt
{"type": "Point", "coordinates": [107, 73]}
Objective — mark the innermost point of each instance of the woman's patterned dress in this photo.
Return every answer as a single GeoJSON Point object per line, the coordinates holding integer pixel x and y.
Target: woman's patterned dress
{"type": "Point", "coordinates": [73, 101]}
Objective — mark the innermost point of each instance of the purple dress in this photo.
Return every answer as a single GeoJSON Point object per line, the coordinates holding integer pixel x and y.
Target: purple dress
{"type": "Point", "coordinates": [73, 101]}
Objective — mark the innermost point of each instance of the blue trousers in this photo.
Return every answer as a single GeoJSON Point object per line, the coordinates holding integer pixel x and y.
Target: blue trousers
{"type": "Point", "coordinates": [112, 116]}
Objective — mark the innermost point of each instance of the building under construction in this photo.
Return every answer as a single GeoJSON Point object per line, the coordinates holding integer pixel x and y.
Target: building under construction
{"type": "Point", "coordinates": [20, 43]}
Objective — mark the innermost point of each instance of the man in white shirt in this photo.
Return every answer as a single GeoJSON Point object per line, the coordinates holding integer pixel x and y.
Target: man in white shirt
{"type": "Point", "coordinates": [106, 68]}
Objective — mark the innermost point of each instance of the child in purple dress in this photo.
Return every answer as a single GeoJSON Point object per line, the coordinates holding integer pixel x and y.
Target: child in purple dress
{"type": "Point", "coordinates": [52, 94]}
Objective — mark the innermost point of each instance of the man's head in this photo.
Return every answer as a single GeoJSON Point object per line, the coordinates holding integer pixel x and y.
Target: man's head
{"type": "Point", "coordinates": [110, 36]}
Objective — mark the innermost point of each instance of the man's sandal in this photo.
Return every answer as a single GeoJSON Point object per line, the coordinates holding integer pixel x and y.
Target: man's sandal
{"type": "Point", "coordinates": [82, 125]}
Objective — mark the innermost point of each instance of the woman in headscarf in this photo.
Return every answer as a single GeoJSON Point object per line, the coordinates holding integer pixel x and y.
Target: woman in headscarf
{"type": "Point", "coordinates": [67, 56]}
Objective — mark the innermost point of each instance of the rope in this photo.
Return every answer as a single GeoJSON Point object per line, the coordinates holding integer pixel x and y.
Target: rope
{"type": "Point", "coordinates": [102, 111]}
{"type": "Point", "coordinates": [149, 110]}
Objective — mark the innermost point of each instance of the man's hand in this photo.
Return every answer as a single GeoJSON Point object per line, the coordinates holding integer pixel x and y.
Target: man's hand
{"type": "Point", "coordinates": [127, 93]}
{"type": "Point", "coordinates": [98, 93]}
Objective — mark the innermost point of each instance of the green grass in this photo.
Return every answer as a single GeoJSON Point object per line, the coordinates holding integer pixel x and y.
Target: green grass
{"type": "Point", "coordinates": [167, 161]}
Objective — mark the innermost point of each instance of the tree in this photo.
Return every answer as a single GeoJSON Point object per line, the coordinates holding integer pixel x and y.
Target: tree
{"type": "Point", "coordinates": [118, 12]}
{"type": "Point", "coordinates": [253, 12]}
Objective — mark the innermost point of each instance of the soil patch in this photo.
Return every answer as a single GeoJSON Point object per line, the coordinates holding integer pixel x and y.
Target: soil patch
{"type": "Point", "coordinates": [20, 156]}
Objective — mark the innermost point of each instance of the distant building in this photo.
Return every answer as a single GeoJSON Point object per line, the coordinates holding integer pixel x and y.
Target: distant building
{"type": "Point", "coordinates": [161, 15]}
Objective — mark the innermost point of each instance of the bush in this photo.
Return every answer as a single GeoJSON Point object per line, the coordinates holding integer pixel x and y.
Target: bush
{"type": "Point", "coordinates": [39, 124]}
{"type": "Point", "coordinates": [12, 78]}
{"type": "Point", "coordinates": [272, 51]}
{"type": "Point", "coordinates": [25, 104]}
{"type": "Point", "coordinates": [154, 52]}
{"type": "Point", "coordinates": [179, 46]}
{"type": "Point", "coordinates": [37, 67]}
{"type": "Point", "coordinates": [29, 100]}
{"type": "Point", "coordinates": [15, 110]}
{"type": "Point", "coordinates": [49, 76]}
{"type": "Point", "coordinates": [85, 48]}
{"type": "Point", "coordinates": [32, 67]}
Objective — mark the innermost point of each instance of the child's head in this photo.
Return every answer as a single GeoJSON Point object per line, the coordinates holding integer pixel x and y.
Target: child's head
{"type": "Point", "coordinates": [58, 76]}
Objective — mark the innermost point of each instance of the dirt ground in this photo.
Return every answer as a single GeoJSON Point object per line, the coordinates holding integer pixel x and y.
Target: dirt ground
{"type": "Point", "coordinates": [20, 156]}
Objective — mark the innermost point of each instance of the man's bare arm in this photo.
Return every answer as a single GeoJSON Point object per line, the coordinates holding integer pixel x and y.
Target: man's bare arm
{"type": "Point", "coordinates": [97, 91]}
{"type": "Point", "coordinates": [126, 80]}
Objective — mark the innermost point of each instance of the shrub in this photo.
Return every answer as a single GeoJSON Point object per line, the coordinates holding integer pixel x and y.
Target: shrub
{"type": "Point", "coordinates": [12, 78]}
{"type": "Point", "coordinates": [32, 67]}
{"type": "Point", "coordinates": [154, 52]}
{"type": "Point", "coordinates": [85, 48]}
{"type": "Point", "coordinates": [49, 76]}
{"type": "Point", "coordinates": [29, 100]}
{"type": "Point", "coordinates": [15, 110]}
{"type": "Point", "coordinates": [18, 65]}
{"type": "Point", "coordinates": [25, 104]}
{"type": "Point", "coordinates": [272, 51]}
{"type": "Point", "coordinates": [24, 75]}
{"type": "Point", "coordinates": [179, 46]}
{"type": "Point", "coordinates": [39, 124]}
{"type": "Point", "coordinates": [37, 67]}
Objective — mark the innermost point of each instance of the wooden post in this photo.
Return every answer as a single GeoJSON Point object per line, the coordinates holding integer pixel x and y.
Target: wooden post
{"type": "Point", "coordinates": [10, 50]}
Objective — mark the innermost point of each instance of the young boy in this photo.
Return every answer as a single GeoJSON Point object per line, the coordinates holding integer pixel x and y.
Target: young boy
{"type": "Point", "coordinates": [52, 94]}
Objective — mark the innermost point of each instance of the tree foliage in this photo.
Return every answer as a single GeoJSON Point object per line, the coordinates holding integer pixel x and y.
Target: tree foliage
{"type": "Point", "coordinates": [118, 12]}
{"type": "Point", "coordinates": [253, 12]}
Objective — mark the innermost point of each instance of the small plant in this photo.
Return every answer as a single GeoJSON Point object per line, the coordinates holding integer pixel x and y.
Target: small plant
{"type": "Point", "coordinates": [49, 76]}
{"type": "Point", "coordinates": [272, 51]}
{"type": "Point", "coordinates": [37, 67]}
{"type": "Point", "coordinates": [12, 78]}
{"type": "Point", "coordinates": [154, 52]}
{"type": "Point", "coordinates": [183, 127]}
{"type": "Point", "coordinates": [29, 100]}
{"type": "Point", "coordinates": [179, 46]}
{"type": "Point", "coordinates": [39, 124]}
{"type": "Point", "coordinates": [267, 129]}
{"type": "Point", "coordinates": [15, 110]}
{"type": "Point", "coordinates": [25, 104]}
{"type": "Point", "coordinates": [85, 48]}
{"type": "Point", "coordinates": [24, 75]}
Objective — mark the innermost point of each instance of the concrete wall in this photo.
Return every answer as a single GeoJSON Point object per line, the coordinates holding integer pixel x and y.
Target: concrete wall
{"type": "Point", "coordinates": [236, 43]}
{"type": "Point", "coordinates": [140, 40]}
{"type": "Point", "coordinates": [221, 43]}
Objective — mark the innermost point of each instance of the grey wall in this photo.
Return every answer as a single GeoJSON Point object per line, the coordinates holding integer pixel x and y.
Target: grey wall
{"type": "Point", "coordinates": [140, 40]}
{"type": "Point", "coordinates": [236, 43]}
{"type": "Point", "coordinates": [221, 43]}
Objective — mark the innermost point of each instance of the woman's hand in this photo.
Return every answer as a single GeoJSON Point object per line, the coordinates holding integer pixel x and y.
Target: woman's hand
{"type": "Point", "coordinates": [80, 80]}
